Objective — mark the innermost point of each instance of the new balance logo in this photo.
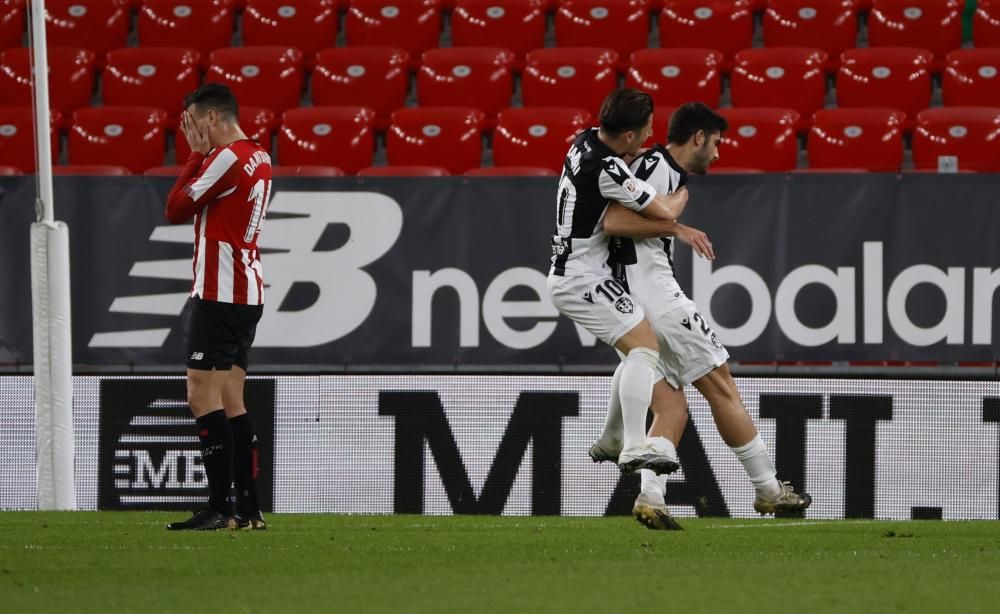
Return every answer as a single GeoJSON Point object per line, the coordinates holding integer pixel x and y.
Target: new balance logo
{"type": "Point", "coordinates": [295, 256]}
{"type": "Point", "coordinates": [197, 356]}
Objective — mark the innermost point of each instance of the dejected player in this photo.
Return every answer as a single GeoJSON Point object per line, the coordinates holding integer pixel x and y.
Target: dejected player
{"type": "Point", "coordinates": [225, 186]}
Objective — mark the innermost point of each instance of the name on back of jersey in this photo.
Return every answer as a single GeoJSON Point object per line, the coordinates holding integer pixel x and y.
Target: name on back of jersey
{"type": "Point", "coordinates": [258, 158]}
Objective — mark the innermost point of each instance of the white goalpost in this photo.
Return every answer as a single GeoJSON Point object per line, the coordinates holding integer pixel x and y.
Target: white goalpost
{"type": "Point", "coordinates": [50, 299]}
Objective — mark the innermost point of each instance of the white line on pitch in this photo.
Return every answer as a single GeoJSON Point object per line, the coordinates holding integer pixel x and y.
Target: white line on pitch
{"type": "Point", "coordinates": [771, 525]}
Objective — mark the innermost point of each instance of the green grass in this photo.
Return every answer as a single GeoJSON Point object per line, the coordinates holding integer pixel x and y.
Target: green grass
{"type": "Point", "coordinates": [106, 561]}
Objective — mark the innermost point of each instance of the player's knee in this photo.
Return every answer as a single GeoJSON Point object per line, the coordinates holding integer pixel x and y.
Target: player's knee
{"type": "Point", "coordinates": [645, 356]}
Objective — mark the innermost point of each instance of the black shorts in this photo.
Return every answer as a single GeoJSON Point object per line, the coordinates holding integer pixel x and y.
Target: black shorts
{"type": "Point", "coordinates": [218, 335]}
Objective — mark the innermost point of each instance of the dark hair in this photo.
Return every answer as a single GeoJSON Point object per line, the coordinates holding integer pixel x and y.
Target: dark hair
{"type": "Point", "coordinates": [689, 118]}
{"type": "Point", "coordinates": [214, 96]}
{"type": "Point", "coordinates": [625, 109]}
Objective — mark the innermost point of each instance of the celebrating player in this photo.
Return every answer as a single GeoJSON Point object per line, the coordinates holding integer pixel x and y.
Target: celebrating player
{"type": "Point", "coordinates": [690, 352]}
{"type": "Point", "coordinates": [580, 280]}
{"type": "Point", "coordinates": [225, 186]}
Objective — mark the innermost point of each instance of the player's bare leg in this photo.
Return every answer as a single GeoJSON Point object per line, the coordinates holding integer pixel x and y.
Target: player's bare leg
{"type": "Point", "coordinates": [245, 466]}
{"type": "Point", "coordinates": [204, 393]}
{"type": "Point", "coordinates": [670, 416]}
{"type": "Point", "coordinates": [740, 434]}
{"type": "Point", "coordinates": [640, 370]}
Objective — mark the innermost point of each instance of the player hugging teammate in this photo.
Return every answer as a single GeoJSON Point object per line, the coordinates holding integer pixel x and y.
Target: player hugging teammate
{"type": "Point", "coordinates": [612, 272]}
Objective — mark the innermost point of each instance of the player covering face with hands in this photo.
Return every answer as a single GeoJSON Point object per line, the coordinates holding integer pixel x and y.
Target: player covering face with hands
{"type": "Point", "coordinates": [224, 186]}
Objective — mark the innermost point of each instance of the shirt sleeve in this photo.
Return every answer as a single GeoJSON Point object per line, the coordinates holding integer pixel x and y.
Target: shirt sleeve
{"type": "Point", "coordinates": [617, 182]}
{"type": "Point", "coordinates": [194, 190]}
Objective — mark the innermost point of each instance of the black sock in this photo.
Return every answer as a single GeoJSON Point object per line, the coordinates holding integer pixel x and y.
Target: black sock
{"type": "Point", "coordinates": [244, 464]}
{"type": "Point", "coordinates": [217, 455]}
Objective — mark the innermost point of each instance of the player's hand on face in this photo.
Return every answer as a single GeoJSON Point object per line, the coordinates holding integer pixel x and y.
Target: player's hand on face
{"type": "Point", "coordinates": [197, 140]}
{"type": "Point", "coordinates": [698, 241]}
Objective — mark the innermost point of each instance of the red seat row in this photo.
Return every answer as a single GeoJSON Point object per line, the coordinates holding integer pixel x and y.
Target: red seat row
{"type": "Point", "coordinates": [520, 25]}
{"type": "Point", "coordinates": [762, 139]}
{"type": "Point", "coordinates": [482, 77]}
{"type": "Point", "coordinates": [868, 139]}
{"type": "Point", "coordinates": [344, 137]}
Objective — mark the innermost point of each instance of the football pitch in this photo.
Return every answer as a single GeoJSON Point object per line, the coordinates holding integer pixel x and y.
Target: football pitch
{"type": "Point", "coordinates": [107, 561]}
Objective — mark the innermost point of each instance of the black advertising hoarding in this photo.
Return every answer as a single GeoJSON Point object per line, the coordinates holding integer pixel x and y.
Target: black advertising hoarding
{"type": "Point", "coordinates": [434, 273]}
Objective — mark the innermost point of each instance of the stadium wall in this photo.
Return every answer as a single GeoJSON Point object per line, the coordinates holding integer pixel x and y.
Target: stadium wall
{"type": "Point", "coordinates": [496, 444]}
{"type": "Point", "coordinates": [446, 274]}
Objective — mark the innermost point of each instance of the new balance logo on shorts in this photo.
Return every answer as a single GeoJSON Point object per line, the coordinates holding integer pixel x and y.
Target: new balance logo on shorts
{"type": "Point", "coordinates": [197, 356]}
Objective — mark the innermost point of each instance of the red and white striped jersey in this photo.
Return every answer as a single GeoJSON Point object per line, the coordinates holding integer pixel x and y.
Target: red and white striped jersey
{"type": "Point", "coordinates": [227, 192]}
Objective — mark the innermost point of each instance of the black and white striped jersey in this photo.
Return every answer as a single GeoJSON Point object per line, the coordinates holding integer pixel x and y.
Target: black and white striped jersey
{"type": "Point", "coordinates": [649, 275]}
{"type": "Point", "coordinates": [593, 176]}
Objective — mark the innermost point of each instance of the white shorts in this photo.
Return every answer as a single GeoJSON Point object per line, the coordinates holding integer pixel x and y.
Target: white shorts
{"type": "Point", "coordinates": [689, 348]}
{"type": "Point", "coordinates": [598, 303]}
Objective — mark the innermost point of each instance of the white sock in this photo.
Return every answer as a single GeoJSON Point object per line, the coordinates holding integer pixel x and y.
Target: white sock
{"type": "Point", "coordinates": [612, 434]}
{"type": "Point", "coordinates": [664, 446]}
{"type": "Point", "coordinates": [639, 373]}
{"type": "Point", "coordinates": [653, 486]}
{"type": "Point", "coordinates": [759, 467]}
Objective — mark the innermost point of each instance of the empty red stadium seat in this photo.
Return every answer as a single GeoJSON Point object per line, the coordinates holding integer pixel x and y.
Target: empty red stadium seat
{"type": "Point", "coordinates": [17, 138]}
{"type": "Point", "coordinates": [71, 78]}
{"type": "Point", "coordinates": [573, 76]}
{"type": "Point", "coordinates": [403, 171]}
{"type": "Point", "coordinates": [894, 77]}
{"type": "Point", "coordinates": [971, 78]}
{"type": "Point", "coordinates": [270, 77]}
{"type": "Point", "coordinates": [622, 25]}
{"type": "Point", "coordinates": [537, 137]}
{"type": "Point", "coordinates": [830, 25]}
{"type": "Point", "coordinates": [936, 26]}
{"type": "Point", "coordinates": [257, 123]}
{"type": "Point", "coordinates": [202, 25]}
{"type": "Point", "coordinates": [98, 25]}
{"type": "Point", "coordinates": [793, 76]}
{"type": "Point", "coordinates": [132, 137]}
{"type": "Point", "coordinates": [518, 25]}
{"type": "Point", "coordinates": [970, 134]}
{"type": "Point", "coordinates": [759, 139]}
{"type": "Point", "coordinates": [307, 25]}
{"type": "Point", "coordinates": [374, 77]}
{"type": "Point", "coordinates": [412, 25]}
{"type": "Point", "coordinates": [510, 171]}
{"type": "Point", "coordinates": [306, 171]}
{"type": "Point", "coordinates": [333, 136]}
{"type": "Point", "coordinates": [151, 76]}
{"type": "Point", "coordinates": [868, 138]}
{"type": "Point", "coordinates": [726, 26]}
{"type": "Point", "coordinates": [450, 137]}
{"type": "Point", "coordinates": [91, 169]}
{"type": "Point", "coordinates": [479, 77]}
{"type": "Point", "coordinates": [675, 76]}
{"type": "Point", "coordinates": [986, 24]}
{"type": "Point", "coordinates": [12, 23]}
